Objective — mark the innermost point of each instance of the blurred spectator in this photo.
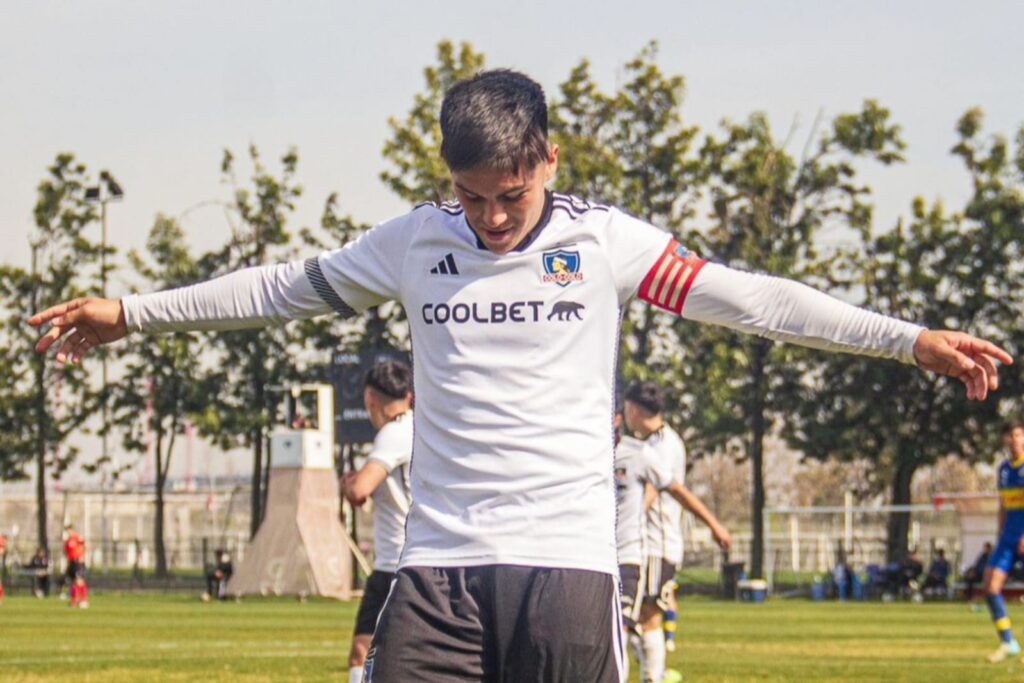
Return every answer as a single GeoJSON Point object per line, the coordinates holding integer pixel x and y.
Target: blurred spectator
{"type": "Point", "coordinates": [937, 580]}
{"type": "Point", "coordinates": [301, 422]}
{"type": "Point", "coordinates": [974, 574]}
{"type": "Point", "coordinates": [39, 567]}
{"type": "Point", "coordinates": [218, 575]}
{"type": "Point", "coordinates": [911, 569]}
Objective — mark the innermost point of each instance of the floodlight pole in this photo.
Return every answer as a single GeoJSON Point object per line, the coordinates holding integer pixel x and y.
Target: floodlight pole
{"type": "Point", "coordinates": [108, 190]}
{"type": "Point", "coordinates": [103, 293]}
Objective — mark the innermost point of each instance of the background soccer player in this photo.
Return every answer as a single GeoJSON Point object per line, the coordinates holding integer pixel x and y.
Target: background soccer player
{"type": "Point", "coordinates": [645, 401]}
{"type": "Point", "coordinates": [1011, 538]}
{"type": "Point", "coordinates": [513, 296]}
{"type": "Point", "coordinates": [642, 410]}
{"type": "Point", "coordinates": [74, 575]}
{"type": "Point", "coordinates": [639, 475]}
{"type": "Point", "coordinates": [387, 395]}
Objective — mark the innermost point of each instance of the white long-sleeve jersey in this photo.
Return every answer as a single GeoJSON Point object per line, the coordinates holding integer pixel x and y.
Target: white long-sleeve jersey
{"type": "Point", "coordinates": [515, 359]}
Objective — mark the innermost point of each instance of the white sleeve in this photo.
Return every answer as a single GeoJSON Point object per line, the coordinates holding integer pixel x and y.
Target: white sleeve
{"type": "Point", "coordinates": [361, 274]}
{"type": "Point", "coordinates": [633, 246]}
{"type": "Point", "coordinates": [253, 297]}
{"type": "Point", "coordinates": [392, 447]}
{"type": "Point", "coordinates": [788, 311]}
{"type": "Point", "coordinates": [367, 271]}
{"type": "Point", "coordinates": [654, 470]}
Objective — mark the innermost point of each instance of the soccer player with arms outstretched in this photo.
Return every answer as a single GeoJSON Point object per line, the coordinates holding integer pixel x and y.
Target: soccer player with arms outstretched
{"type": "Point", "coordinates": [1011, 538]}
{"type": "Point", "coordinates": [513, 295]}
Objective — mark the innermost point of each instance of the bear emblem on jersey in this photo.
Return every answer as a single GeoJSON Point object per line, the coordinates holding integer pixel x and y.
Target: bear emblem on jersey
{"type": "Point", "coordinates": [566, 310]}
{"type": "Point", "coordinates": [562, 267]}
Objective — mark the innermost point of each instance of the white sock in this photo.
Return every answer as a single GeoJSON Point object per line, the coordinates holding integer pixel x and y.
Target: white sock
{"type": "Point", "coordinates": [654, 656]}
{"type": "Point", "coordinates": [355, 674]}
{"type": "Point", "coordinates": [636, 647]}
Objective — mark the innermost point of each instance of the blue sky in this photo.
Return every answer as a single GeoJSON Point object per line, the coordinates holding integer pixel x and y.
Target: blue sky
{"type": "Point", "coordinates": [154, 91]}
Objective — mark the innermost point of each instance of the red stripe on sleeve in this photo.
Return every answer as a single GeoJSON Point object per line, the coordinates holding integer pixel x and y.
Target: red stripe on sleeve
{"type": "Point", "coordinates": [669, 293]}
{"type": "Point", "coordinates": [645, 286]}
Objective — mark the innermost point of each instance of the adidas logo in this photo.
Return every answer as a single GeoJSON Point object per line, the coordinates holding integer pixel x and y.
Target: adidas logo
{"type": "Point", "coordinates": [446, 266]}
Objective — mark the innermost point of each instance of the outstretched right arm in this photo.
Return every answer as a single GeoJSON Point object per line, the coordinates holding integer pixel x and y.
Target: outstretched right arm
{"type": "Point", "coordinates": [253, 297]}
{"type": "Point", "coordinates": [361, 274]}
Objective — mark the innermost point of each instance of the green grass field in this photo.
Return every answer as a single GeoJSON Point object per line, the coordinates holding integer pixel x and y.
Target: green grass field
{"type": "Point", "coordinates": [177, 638]}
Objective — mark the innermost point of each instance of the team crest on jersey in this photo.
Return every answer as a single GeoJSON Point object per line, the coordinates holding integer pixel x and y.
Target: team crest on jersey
{"type": "Point", "coordinates": [562, 267]}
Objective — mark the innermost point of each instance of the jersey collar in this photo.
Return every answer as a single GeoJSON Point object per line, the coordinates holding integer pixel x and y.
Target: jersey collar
{"type": "Point", "coordinates": [545, 218]}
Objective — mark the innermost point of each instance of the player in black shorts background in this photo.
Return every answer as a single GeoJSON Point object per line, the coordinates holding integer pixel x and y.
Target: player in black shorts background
{"type": "Point", "coordinates": [387, 395]}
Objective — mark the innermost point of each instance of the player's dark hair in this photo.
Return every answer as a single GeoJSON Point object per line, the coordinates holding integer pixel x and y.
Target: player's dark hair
{"type": "Point", "coordinates": [647, 395]}
{"type": "Point", "coordinates": [1011, 425]}
{"type": "Point", "coordinates": [497, 120]}
{"type": "Point", "coordinates": [391, 378]}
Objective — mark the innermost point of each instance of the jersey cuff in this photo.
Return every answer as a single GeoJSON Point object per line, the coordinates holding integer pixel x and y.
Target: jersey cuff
{"type": "Point", "coordinates": [324, 290]}
{"type": "Point", "coordinates": [129, 306]}
{"type": "Point", "coordinates": [389, 467]}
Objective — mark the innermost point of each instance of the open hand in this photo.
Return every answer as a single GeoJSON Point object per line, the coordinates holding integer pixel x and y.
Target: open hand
{"type": "Point", "coordinates": [960, 355]}
{"type": "Point", "coordinates": [83, 324]}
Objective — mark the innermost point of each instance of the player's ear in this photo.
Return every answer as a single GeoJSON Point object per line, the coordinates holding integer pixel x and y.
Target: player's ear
{"type": "Point", "coordinates": [551, 164]}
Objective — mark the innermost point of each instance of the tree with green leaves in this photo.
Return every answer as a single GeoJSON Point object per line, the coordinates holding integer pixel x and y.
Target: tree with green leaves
{"type": "Point", "coordinates": [414, 148]}
{"type": "Point", "coordinates": [631, 149]}
{"type": "Point", "coordinates": [768, 208]}
{"type": "Point", "coordinates": [253, 360]}
{"type": "Point", "coordinates": [44, 403]}
{"type": "Point", "coordinates": [942, 270]}
{"type": "Point", "coordinates": [164, 387]}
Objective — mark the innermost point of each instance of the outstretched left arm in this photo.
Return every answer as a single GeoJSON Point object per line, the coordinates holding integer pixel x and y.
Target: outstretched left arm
{"type": "Point", "coordinates": [788, 311]}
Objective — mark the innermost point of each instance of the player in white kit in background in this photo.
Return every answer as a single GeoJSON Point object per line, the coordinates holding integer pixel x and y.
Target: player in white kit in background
{"type": "Point", "coordinates": [642, 408]}
{"type": "Point", "coordinates": [513, 296]}
{"type": "Point", "coordinates": [387, 395]}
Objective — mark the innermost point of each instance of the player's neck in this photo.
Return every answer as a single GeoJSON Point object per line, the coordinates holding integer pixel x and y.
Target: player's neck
{"type": "Point", "coordinates": [649, 426]}
{"type": "Point", "coordinates": [393, 411]}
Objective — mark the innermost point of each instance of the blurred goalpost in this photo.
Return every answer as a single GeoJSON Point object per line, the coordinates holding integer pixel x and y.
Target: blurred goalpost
{"type": "Point", "coordinates": [800, 542]}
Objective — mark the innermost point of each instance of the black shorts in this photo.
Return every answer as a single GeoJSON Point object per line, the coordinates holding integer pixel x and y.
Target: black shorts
{"type": "Point", "coordinates": [374, 596]}
{"type": "Point", "coordinates": [75, 569]}
{"type": "Point", "coordinates": [660, 581]}
{"type": "Point", "coordinates": [500, 624]}
{"type": "Point", "coordinates": [632, 593]}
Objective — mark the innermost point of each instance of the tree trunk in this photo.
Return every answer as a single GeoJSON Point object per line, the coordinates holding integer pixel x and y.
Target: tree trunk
{"type": "Point", "coordinates": [257, 483]}
{"type": "Point", "coordinates": [41, 424]}
{"type": "Point", "coordinates": [158, 518]}
{"type": "Point", "coordinates": [259, 402]}
{"type": "Point", "coordinates": [899, 522]}
{"type": "Point", "coordinates": [760, 355]}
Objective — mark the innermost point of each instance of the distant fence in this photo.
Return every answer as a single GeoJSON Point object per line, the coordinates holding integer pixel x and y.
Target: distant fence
{"type": "Point", "coordinates": [118, 527]}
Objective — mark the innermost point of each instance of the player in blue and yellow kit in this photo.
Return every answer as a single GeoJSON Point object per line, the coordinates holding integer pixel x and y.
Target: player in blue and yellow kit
{"type": "Point", "coordinates": [1011, 536]}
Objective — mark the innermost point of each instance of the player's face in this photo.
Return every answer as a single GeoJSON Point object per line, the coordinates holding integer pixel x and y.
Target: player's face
{"type": "Point", "coordinates": [502, 207]}
{"type": "Point", "coordinates": [1015, 442]}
